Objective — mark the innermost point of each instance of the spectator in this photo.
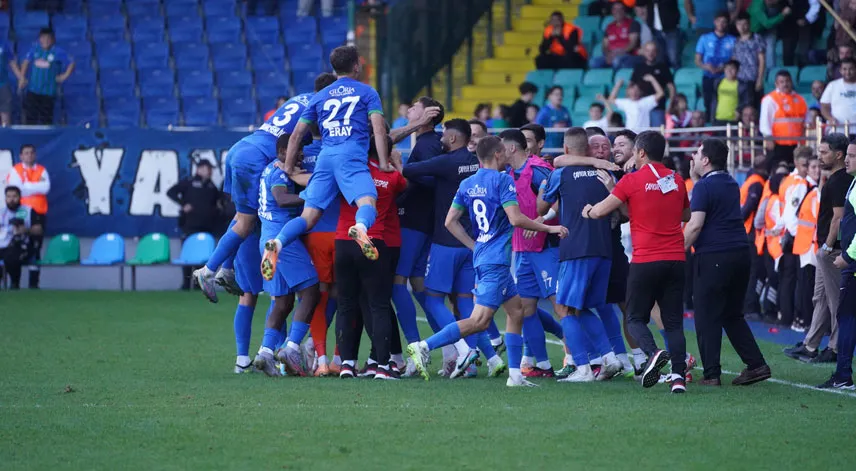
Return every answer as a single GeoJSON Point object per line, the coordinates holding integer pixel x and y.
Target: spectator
{"type": "Point", "coordinates": [401, 121]}
{"type": "Point", "coordinates": [482, 112]}
{"type": "Point", "coordinates": [599, 114]}
{"type": "Point", "coordinates": [838, 102]}
{"type": "Point", "coordinates": [517, 111]}
{"type": "Point", "coordinates": [645, 33]}
{"type": "Point", "coordinates": [749, 116]}
{"type": "Point", "coordinates": [782, 117]}
{"type": "Point", "coordinates": [636, 108]}
{"type": "Point", "coordinates": [7, 62]}
{"type": "Point", "coordinates": [268, 6]}
{"type": "Point", "coordinates": [616, 121]}
{"type": "Point", "coordinates": [198, 198]}
{"type": "Point", "coordinates": [44, 78]}
{"type": "Point", "coordinates": [664, 17]}
{"type": "Point", "coordinates": [499, 118]}
{"type": "Point", "coordinates": [765, 16]}
{"type": "Point", "coordinates": [561, 46]}
{"type": "Point", "coordinates": [554, 115]}
{"type": "Point", "coordinates": [34, 184]}
{"type": "Point", "coordinates": [749, 50]}
{"type": "Point", "coordinates": [713, 50]}
{"type": "Point", "coordinates": [817, 88]}
{"type": "Point", "coordinates": [797, 30]}
{"type": "Point", "coordinates": [727, 98]}
{"type": "Point", "coordinates": [703, 13]}
{"type": "Point", "coordinates": [304, 8]}
{"type": "Point", "coordinates": [281, 101]}
{"type": "Point", "coordinates": [678, 115]}
{"type": "Point", "coordinates": [660, 71]}
{"type": "Point", "coordinates": [15, 219]}
{"type": "Point", "coordinates": [620, 41]}
{"type": "Point", "coordinates": [532, 113]}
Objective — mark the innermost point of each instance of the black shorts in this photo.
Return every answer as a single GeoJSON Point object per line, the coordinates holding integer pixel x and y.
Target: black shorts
{"type": "Point", "coordinates": [616, 291]}
{"type": "Point", "coordinates": [37, 219]}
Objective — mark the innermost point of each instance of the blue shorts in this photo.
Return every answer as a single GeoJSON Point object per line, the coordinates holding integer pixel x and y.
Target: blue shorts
{"type": "Point", "coordinates": [537, 273]}
{"type": "Point", "coordinates": [415, 246]}
{"type": "Point", "coordinates": [244, 166]}
{"type": "Point", "coordinates": [583, 282]}
{"type": "Point", "coordinates": [450, 270]}
{"type": "Point", "coordinates": [342, 169]}
{"type": "Point", "coordinates": [294, 268]}
{"type": "Point", "coordinates": [494, 285]}
{"type": "Point", "coordinates": [248, 264]}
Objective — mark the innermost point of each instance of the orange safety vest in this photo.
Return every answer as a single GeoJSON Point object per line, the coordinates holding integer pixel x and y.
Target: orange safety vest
{"type": "Point", "coordinates": [39, 203]}
{"type": "Point", "coordinates": [759, 233]}
{"type": "Point", "coordinates": [774, 243]}
{"type": "Point", "coordinates": [744, 194]}
{"type": "Point", "coordinates": [789, 119]}
{"type": "Point", "coordinates": [567, 30]}
{"type": "Point", "coordinates": [807, 224]}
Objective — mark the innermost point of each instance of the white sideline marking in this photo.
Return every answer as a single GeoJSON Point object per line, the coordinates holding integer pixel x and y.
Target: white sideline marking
{"type": "Point", "coordinates": [771, 380]}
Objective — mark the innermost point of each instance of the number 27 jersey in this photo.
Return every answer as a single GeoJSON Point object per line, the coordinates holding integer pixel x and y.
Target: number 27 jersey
{"type": "Point", "coordinates": [342, 112]}
{"type": "Point", "coordinates": [485, 196]}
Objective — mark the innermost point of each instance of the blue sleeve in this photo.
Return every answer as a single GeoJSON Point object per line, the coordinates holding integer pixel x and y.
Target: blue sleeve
{"type": "Point", "coordinates": [31, 54]}
{"type": "Point", "coordinates": [700, 200]}
{"type": "Point", "coordinates": [310, 114]}
{"type": "Point", "coordinates": [460, 200]}
{"type": "Point", "coordinates": [436, 167]}
{"type": "Point", "coordinates": [539, 175]}
{"type": "Point", "coordinates": [551, 186]}
{"type": "Point", "coordinates": [373, 102]}
{"type": "Point", "coordinates": [543, 117]}
{"type": "Point", "coordinates": [7, 46]}
{"type": "Point", "coordinates": [507, 191]}
{"type": "Point", "coordinates": [699, 48]}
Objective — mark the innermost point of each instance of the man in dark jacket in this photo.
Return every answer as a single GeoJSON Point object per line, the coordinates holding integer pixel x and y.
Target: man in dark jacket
{"type": "Point", "coordinates": [666, 31]}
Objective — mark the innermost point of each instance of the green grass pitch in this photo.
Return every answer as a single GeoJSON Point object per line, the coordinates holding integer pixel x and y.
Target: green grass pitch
{"type": "Point", "coordinates": [144, 381]}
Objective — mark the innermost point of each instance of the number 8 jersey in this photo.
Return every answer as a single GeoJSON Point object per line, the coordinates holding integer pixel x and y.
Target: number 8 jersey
{"type": "Point", "coordinates": [485, 195]}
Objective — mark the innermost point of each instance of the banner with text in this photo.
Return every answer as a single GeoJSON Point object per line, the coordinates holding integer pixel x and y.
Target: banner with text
{"type": "Point", "coordinates": [105, 180]}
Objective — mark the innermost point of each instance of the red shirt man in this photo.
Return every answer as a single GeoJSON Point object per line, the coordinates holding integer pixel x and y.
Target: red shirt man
{"type": "Point", "coordinates": [389, 185]}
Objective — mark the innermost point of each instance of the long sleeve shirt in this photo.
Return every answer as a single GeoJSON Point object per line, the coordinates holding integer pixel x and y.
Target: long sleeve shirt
{"type": "Point", "coordinates": [41, 187]}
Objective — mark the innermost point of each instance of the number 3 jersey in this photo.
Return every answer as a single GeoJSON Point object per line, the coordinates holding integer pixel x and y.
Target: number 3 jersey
{"type": "Point", "coordinates": [485, 195]}
{"type": "Point", "coordinates": [342, 112]}
{"type": "Point", "coordinates": [284, 120]}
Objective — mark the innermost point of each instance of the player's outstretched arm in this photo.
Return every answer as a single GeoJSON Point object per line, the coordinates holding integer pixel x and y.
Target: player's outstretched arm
{"type": "Point", "coordinates": [518, 219]}
{"type": "Point", "coordinates": [284, 198]}
{"type": "Point", "coordinates": [602, 209]}
{"type": "Point", "coordinates": [379, 129]}
{"type": "Point", "coordinates": [453, 224]}
{"type": "Point", "coordinates": [397, 135]}
{"type": "Point", "coordinates": [567, 160]}
{"type": "Point", "coordinates": [294, 144]}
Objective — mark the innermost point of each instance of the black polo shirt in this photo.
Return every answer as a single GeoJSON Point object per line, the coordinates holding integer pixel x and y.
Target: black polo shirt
{"type": "Point", "coordinates": [659, 71]}
{"type": "Point", "coordinates": [718, 196]}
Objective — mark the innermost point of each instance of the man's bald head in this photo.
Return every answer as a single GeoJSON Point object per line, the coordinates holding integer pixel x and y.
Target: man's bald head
{"type": "Point", "coordinates": [576, 141]}
{"type": "Point", "coordinates": [599, 147]}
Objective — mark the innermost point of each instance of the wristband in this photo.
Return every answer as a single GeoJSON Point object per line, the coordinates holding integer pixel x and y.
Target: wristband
{"type": "Point", "coordinates": [550, 214]}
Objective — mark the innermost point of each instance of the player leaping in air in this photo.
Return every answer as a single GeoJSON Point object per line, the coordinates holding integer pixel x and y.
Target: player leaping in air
{"type": "Point", "coordinates": [346, 111]}
{"type": "Point", "coordinates": [491, 201]}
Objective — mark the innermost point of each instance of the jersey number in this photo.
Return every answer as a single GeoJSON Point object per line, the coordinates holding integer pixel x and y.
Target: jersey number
{"type": "Point", "coordinates": [480, 210]}
{"type": "Point", "coordinates": [262, 197]}
{"type": "Point", "coordinates": [280, 121]}
{"type": "Point", "coordinates": [334, 104]}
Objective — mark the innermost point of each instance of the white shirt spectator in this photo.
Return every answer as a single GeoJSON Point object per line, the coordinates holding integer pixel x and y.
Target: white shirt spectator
{"type": "Point", "coordinates": [841, 96]}
{"type": "Point", "coordinates": [602, 123]}
{"type": "Point", "coordinates": [637, 112]}
{"type": "Point", "coordinates": [6, 215]}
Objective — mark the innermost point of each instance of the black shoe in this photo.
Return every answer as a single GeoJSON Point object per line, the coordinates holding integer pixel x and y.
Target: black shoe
{"type": "Point", "coordinates": [770, 319]}
{"type": "Point", "coordinates": [368, 371]}
{"type": "Point", "coordinates": [347, 371]}
{"type": "Point", "coordinates": [833, 383]}
{"type": "Point", "coordinates": [385, 373]}
{"type": "Point", "coordinates": [651, 368]}
{"type": "Point", "coordinates": [753, 316]}
{"type": "Point", "coordinates": [756, 375]}
{"type": "Point", "coordinates": [826, 356]}
{"type": "Point", "coordinates": [791, 349]}
{"type": "Point", "coordinates": [800, 353]}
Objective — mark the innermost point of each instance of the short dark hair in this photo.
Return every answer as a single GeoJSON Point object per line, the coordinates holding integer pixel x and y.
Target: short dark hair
{"type": "Point", "coordinates": [47, 31]}
{"type": "Point", "coordinates": [461, 126]}
{"type": "Point", "coordinates": [554, 88]}
{"type": "Point", "coordinates": [481, 107]}
{"type": "Point", "coordinates": [537, 130]}
{"type": "Point", "coordinates": [653, 143]}
{"type": "Point", "coordinates": [514, 135]}
{"type": "Point", "coordinates": [14, 189]}
{"type": "Point", "coordinates": [207, 163]}
{"type": "Point", "coordinates": [847, 60]}
{"type": "Point", "coordinates": [783, 73]}
{"type": "Point", "coordinates": [282, 143]}
{"type": "Point", "coordinates": [716, 151]}
{"type": "Point", "coordinates": [427, 102]}
{"type": "Point", "coordinates": [598, 106]}
{"type": "Point", "coordinates": [595, 131]}
{"type": "Point", "coordinates": [742, 16]}
{"type": "Point", "coordinates": [630, 135]}
{"type": "Point", "coordinates": [478, 123]}
{"type": "Point", "coordinates": [837, 142]}
{"type": "Point", "coordinates": [559, 14]}
{"type": "Point", "coordinates": [373, 146]}
{"type": "Point", "coordinates": [344, 59]}
{"type": "Point", "coordinates": [576, 140]}
{"type": "Point", "coordinates": [527, 87]}
{"type": "Point", "coordinates": [324, 80]}
{"type": "Point", "coordinates": [27, 146]}
{"type": "Point", "coordinates": [733, 63]}
{"type": "Point", "coordinates": [487, 147]}
{"type": "Point", "coordinates": [722, 14]}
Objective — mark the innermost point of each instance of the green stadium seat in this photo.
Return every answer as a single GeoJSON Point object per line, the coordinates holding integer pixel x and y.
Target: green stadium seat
{"type": "Point", "coordinates": [63, 249]}
{"type": "Point", "coordinates": [602, 77]}
{"type": "Point", "coordinates": [688, 76]}
{"type": "Point", "coordinates": [590, 91]}
{"type": "Point", "coordinates": [691, 91]}
{"type": "Point", "coordinates": [152, 249]}
{"type": "Point", "coordinates": [579, 117]}
{"type": "Point", "coordinates": [567, 78]}
{"type": "Point", "coordinates": [605, 22]}
{"type": "Point", "coordinates": [623, 74]}
{"type": "Point", "coordinates": [569, 98]}
{"type": "Point", "coordinates": [588, 23]}
{"type": "Point", "coordinates": [541, 78]}
{"type": "Point", "coordinates": [811, 73]}
{"type": "Point", "coordinates": [596, 50]}
{"type": "Point", "coordinates": [582, 104]}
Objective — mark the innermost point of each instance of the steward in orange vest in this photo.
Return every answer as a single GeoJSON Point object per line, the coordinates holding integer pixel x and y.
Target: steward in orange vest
{"type": "Point", "coordinates": [750, 197]}
{"type": "Point", "coordinates": [35, 184]}
{"type": "Point", "coordinates": [561, 46]}
{"type": "Point", "coordinates": [782, 118]}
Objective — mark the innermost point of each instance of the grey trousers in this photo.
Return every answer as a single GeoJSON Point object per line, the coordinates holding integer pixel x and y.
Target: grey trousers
{"type": "Point", "coordinates": [304, 8]}
{"type": "Point", "coordinates": [826, 291]}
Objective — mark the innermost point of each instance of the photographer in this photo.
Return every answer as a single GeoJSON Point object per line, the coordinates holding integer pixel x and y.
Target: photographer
{"type": "Point", "coordinates": [15, 220]}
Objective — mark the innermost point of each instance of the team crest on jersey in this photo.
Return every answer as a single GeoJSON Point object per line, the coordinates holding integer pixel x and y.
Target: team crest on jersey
{"type": "Point", "coordinates": [477, 191]}
{"type": "Point", "coordinates": [342, 91]}
{"type": "Point", "coordinates": [302, 99]}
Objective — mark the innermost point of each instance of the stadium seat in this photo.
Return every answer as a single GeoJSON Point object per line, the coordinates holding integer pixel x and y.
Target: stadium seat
{"type": "Point", "coordinates": [156, 90]}
{"type": "Point", "coordinates": [141, 8]}
{"type": "Point", "coordinates": [688, 76]}
{"type": "Point", "coordinates": [196, 249]}
{"type": "Point", "coordinates": [811, 73]}
{"type": "Point", "coordinates": [80, 106]}
{"type": "Point", "coordinates": [30, 20]}
{"type": "Point", "coordinates": [152, 249]}
{"type": "Point", "coordinates": [107, 249]}
{"type": "Point", "coordinates": [623, 74]}
{"type": "Point", "coordinates": [151, 52]}
{"type": "Point", "coordinates": [267, 64]}
{"type": "Point", "coordinates": [262, 27]}
{"type": "Point", "coordinates": [122, 103]}
{"type": "Point", "coordinates": [229, 56]}
{"type": "Point", "coordinates": [72, 25]}
{"type": "Point", "coordinates": [82, 76]}
{"type": "Point", "coordinates": [195, 59]}
{"type": "Point", "coordinates": [689, 90]}
{"type": "Point", "coordinates": [63, 249]}
{"type": "Point", "coordinates": [79, 89]}
{"type": "Point", "coordinates": [582, 104]}
{"type": "Point", "coordinates": [566, 77]}
{"type": "Point", "coordinates": [195, 90]}
{"type": "Point", "coordinates": [238, 105]}
{"type": "Point", "coordinates": [161, 118]}
{"type": "Point", "coordinates": [148, 28]}
{"type": "Point", "coordinates": [590, 91]}
{"type": "Point", "coordinates": [235, 93]}
{"type": "Point", "coordinates": [115, 52]}
{"type": "Point", "coordinates": [116, 77]}
{"type": "Point", "coordinates": [579, 117]}
{"type": "Point", "coordinates": [540, 78]}
{"type": "Point", "coordinates": [174, 8]}
{"type": "Point", "coordinates": [772, 71]}
{"type": "Point", "coordinates": [234, 78]}
{"type": "Point", "coordinates": [300, 30]}
{"type": "Point", "coordinates": [271, 78]}
{"type": "Point", "coordinates": [266, 51]}
{"type": "Point", "coordinates": [222, 63]}
{"type": "Point", "coordinates": [239, 119]}
{"type": "Point", "coordinates": [304, 80]}
{"type": "Point", "coordinates": [165, 104]}
{"type": "Point", "coordinates": [103, 9]}
{"type": "Point", "coordinates": [118, 89]}
{"type": "Point", "coordinates": [162, 76]}
{"type": "Point", "coordinates": [588, 23]}
{"type": "Point", "coordinates": [188, 76]}
{"type": "Point", "coordinates": [602, 77]}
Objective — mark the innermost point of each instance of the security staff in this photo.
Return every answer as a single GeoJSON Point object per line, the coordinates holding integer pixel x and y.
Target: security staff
{"type": "Point", "coordinates": [35, 184]}
{"type": "Point", "coordinates": [783, 119]}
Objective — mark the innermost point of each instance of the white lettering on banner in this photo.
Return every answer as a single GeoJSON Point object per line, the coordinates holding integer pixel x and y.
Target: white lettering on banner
{"type": "Point", "coordinates": [157, 173]}
{"type": "Point", "coordinates": [198, 155]}
{"type": "Point", "coordinates": [98, 169]}
{"type": "Point", "coordinates": [5, 165]}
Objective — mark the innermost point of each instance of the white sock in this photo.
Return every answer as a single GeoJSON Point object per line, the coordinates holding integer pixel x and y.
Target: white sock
{"type": "Point", "coordinates": [544, 365]}
{"type": "Point", "coordinates": [639, 357]}
{"type": "Point", "coordinates": [462, 347]}
{"type": "Point", "coordinates": [610, 358]}
{"type": "Point", "coordinates": [625, 361]}
{"type": "Point", "coordinates": [515, 374]}
{"type": "Point", "coordinates": [361, 227]}
{"type": "Point", "coordinates": [584, 369]}
{"type": "Point", "coordinates": [569, 360]}
{"type": "Point", "coordinates": [371, 361]}
{"type": "Point", "coordinates": [423, 344]}
{"type": "Point", "coordinates": [266, 350]}
{"type": "Point", "coordinates": [494, 360]}
{"type": "Point", "coordinates": [293, 346]}
{"type": "Point", "coordinates": [349, 363]}
{"type": "Point", "coordinates": [398, 359]}
{"type": "Point", "coordinates": [243, 361]}
{"type": "Point", "coordinates": [496, 341]}
{"type": "Point", "coordinates": [449, 351]}
{"type": "Point", "coordinates": [337, 359]}
{"type": "Point", "coordinates": [322, 360]}
{"type": "Point", "coordinates": [207, 271]}
{"type": "Point", "coordinates": [596, 361]}
{"type": "Point", "coordinates": [527, 361]}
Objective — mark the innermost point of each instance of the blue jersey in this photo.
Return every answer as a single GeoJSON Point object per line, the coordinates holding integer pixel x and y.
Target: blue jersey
{"type": "Point", "coordinates": [45, 66]}
{"type": "Point", "coordinates": [7, 55]}
{"type": "Point", "coordinates": [485, 195]}
{"type": "Point", "coordinates": [550, 117]}
{"type": "Point", "coordinates": [342, 112]}
{"type": "Point", "coordinates": [575, 187]}
{"type": "Point", "coordinates": [284, 120]}
{"type": "Point", "coordinates": [269, 210]}
{"type": "Point", "coordinates": [330, 218]}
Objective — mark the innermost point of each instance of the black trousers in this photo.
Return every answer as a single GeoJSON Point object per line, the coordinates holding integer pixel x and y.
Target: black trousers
{"type": "Point", "coordinates": [721, 279]}
{"type": "Point", "coordinates": [38, 109]}
{"type": "Point", "coordinates": [757, 277]}
{"type": "Point", "coordinates": [747, 94]}
{"type": "Point", "coordinates": [36, 243]}
{"type": "Point", "coordinates": [780, 153]}
{"type": "Point", "coordinates": [395, 339]}
{"type": "Point", "coordinates": [770, 300]}
{"type": "Point", "coordinates": [688, 281]}
{"type": "Point", "coordinates": [663, 283]}
{"type": "Point", "coordinates": [569, 61]}
{"type": "Point", "coordinates": [355, 275]}
{"type": "Point", "coordinates": [707, 93]}
{"type": "Point", "coordinates": [14, 255]}
{"type": "Point", "coordinates": [804, 294]}
{"type": "Point", "coordinates": [789, 265]}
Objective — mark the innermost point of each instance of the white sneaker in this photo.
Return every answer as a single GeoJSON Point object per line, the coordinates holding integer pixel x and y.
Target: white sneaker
{"type": "Point", "coordinates": [609, 370]}
{"type": "Point", "coordinates": [497, 368]}
{"type": "Point", "coordinates": [463, 363]}
{"type": "Point", "coordinates": [581, 375]}
{"type": "Point", "coordinates": [520, 382]}
{"type": "Point", "coordinates": [409, 369]}
{"type": "Point", "coordinates": [420, 356]}
{"type": "Point", "coordinates": [309, 354]}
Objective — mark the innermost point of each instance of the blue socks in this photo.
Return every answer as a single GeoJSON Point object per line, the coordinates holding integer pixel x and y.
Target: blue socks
{"type": "Point", "coordinates": [421, 298]}
{"type": "Point", "coordinates": [597, 334]}
{"type": "Point", "coordinates": [612, 326]}
{"type": "Point", "coordinates": [573, 330]}
{"type": "Point", "coordinates": [533, 332]}
{"type": "Point", "coordinates": [366, 215]}
{"type": "Point", "coordinates": [298, 331]}
{"type": "Point", "coordinates": [436, 309]}
{"type": "Point", "coordinates": [514, 348]}
{"type": "Point", "coordinates": [229, 263]}
{"type": "Point", "coordinates": [465, 309]}
{"type": "Point", "coordinates": [483, 342]}
{"type": "Point", "coordinates": [331, 310]}
{"type": "Point", "coordinates": [493, 330]}
{"type": "Point", "coordinates": [292, 230]}
{"type": "Point", "coordinates": [666, 339]}
{"type": "Point", "coordinates": [227, 247]}
{"type": "Point", "coordinates": [271, 338]}
{"type": "Point", "coordinates": [243, 329]}
{"type": "Point", "coordinates": [550, 324]}
{"type": "Point", "coordinates": [406, 312]}
{"type": "Point", "coordinates": [448, 335]}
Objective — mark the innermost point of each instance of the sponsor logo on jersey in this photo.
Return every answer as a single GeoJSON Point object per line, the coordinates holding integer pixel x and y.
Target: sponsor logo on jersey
{"type": "Point", "coordinates": [342, 91]}
{"type": "Point", "coordinates": [477, 191]}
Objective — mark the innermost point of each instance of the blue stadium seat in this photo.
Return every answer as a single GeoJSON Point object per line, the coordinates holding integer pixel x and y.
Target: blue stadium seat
{"type": "Point", "coordinates": [162, 76]}
{"type": "Point", "coordinates": [219, 8]}
{"type": "Point", "coordinates": [235, 93]}
{"type": "Point", "coordinates": [195, 89]}
{"type": "Point", "coordinates": [239, 119]}
{"type": "Point", "coordinates": [262, 63]}
{"type": "Point", "coordinates": [161, 118]}
{"type": "Point", "coordinates": [182, 35]}
{"type": "Point", "coordinates": [304, 81]}
{"type": "Point", "coordinates": [263, 51]}
{"type": "Point", "coordinates": [300, 30]}
{"type": "Point", "coordinates": [153, 26]}
{"type": "Point", "coordinates": [237, 105]}
{"type": "Point", "coordinates": [175, 8]}
{"type": "Point", "coordinates": [262, 27]}
{"type": "Point", "coordinates": [117, 89]}
{"type": "Point", "coordinates": [203, 77]}
{"type": "Point", "coordinates": [30, 20]}
{"type": "Point", "coordinates": [122, 76]}
{"type": "Point", "coordinates": [264, 78]}
{"type": "Point", "coordinates": [151, 52]}
{"type": "Point", "coordinates": [82, 76]}
{"type": "Point", "coordinates": [216, 36]}
{"type": "Point", "coordinates": [79, 89]}
{"type": "Point", "coordinates": [106, 23]}
{"type": "Point", "coordinates": [119, 119]}
{"type": "Point", "coordinates": [334, 24]}
{"type": "Point", "coordinates": [267, 94]}
{"type": "Point", "coordinates": [223, 23]}
{"type": "Point", "coordinates": [107, 35]}
{"type": "Point", "coordinates": [191, 62]}
{"type": "Point", "coordinates": [80, 50]}
{"type": "Point", "coordinates": [196, 249]}
{"type": "Point", "coordinates": [228, 63]}
{"type": "Point", "coordinates": [163, 103]}
{"type": "Point", "coordinates": [74, 25]}
{"type": "Point", "coordinates": [191, 55]}
{"type": "Point", "coordinates": [122, 103]}
{"type": "Point", "coordinates": [103, 8]}
{"type": "Point", "coordinates": [144, 36]}
{"type": "Point", "coordinates": [82, 116]}
{"type": "Point", "coordinates": [151, 15]}
{"type": "Point", "coordinates": [234, 78]}
{"type": "Point", "coordinates": [149, 61]}
{"type": "Point", "coordinates": [107, 249]}
{"type": "Point", "coordinates": [229, 50]}
{"type": "Point", "coordinates": [156, 90]}
{"type": "Point", "coordinates": [194, 117]}
{"type": "Point", "coordinates": [141, 8]}
{"type": "Point", "coordinates": [115, 55]}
